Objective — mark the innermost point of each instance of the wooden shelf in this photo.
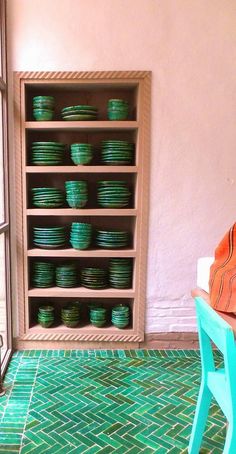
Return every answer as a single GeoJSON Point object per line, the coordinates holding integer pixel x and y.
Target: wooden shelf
{"type": "Point", "coordinates": [94, 88]}
{"type": "Point", "coordinates": [82, 125]}
{"type": "Point", "coordinates": [81, 329]}
{"type": "Point", "coordinates": [81, 212]}
{"type": "Point", "coordinates": [80, 292]}
{"type": "Point", "coordinates": [81, 169]}
{"type": "Point", "coordinates": [36, 252]}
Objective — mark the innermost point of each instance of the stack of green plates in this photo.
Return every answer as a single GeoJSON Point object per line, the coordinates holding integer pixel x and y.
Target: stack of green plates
{"type": "Point", "coordinates": [94, 278]}
{"type": "Point", "coordinates": [113, 194]}
{"type": "Point", "coordinates": [80, 235]}
{"type": "Point", "coordinates": [43, 107]}
{"type": "Point", "coordinates": [47, 153]}
{"type": "Point", "coordinates": [49, 237]}
{"type": "Point", "coordinates": [112, 239]}
{"type": "Point", "coordinates": [46, 316]}
{"type": "Point", "coordinates": [97, 316]}
{"type": "Point", "coordinates": [66, 275]}
{"type": "Point", "coordinates": [117, 109]}
{"type": "Point", "coordinates": [120, 316]}
{"type": "Point", "coordinates": [120, 273]}
{"type": "Point", "coordinates": [81, 112]}
{"type": "Point", "coordinates": [117, 152]}
{"type": "Point", "coordinates": [70, 315]}
{"type": "Point", "coordinates": [43, 274]}
{"type": "Point", "coordinates": [47, 197]}
{"type": "Point", "coordinates": [76, 193]}
{"type": "Point", "coordinates": [81, 153]}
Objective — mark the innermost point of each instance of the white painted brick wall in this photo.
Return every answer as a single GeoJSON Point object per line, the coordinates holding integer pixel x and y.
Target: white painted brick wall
{"type": "Point", "coordinates": [175, 315]}
{"type": "Point", "coordinates": [170, 315]}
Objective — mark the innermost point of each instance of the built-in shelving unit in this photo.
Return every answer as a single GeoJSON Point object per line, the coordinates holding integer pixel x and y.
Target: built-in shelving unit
{"type": "Point", "coordinates": [70, 89]}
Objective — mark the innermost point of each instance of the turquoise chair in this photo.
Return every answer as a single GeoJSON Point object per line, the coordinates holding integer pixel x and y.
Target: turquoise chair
{"type": "Point", "coordinates": [218, 328]}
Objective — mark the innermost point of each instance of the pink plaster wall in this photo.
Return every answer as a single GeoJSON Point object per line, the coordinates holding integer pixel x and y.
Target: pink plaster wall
{"type": "Point", "coordinates": [190, 47]}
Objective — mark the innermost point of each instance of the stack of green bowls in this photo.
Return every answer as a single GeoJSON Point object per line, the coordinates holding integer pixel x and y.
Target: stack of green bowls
{"type": "Point", "coordinates": [80, 112]}
{"type": "Point", "coordinates": [46, 316]}
{"type": "Point", "coordinates": [80, 235]}
{"type": "Point", "coordinates": [43, 107]}
{"type": "Point", "coordinates": [94, 278]}
{"type": "Point", "coordinates": [97, 316]}
{"type": "Point", "coordinates": [117, 152]}
{"type": "Point", "coordinates": [81, 153]}
{"type": "Point", "coordinates": [113, 194]}
{"type": "Point", "coordinates": [49, 237]}
{"type": "Point", "coordinates": [120, 273]}
{"type": "Point", "coordinates": [120, 316]}
{"type": "Point", "coordinates": [112, 239]}
{"type": "Point", "coordinates": [70, 315]}
{"type": "Point", "coordinates": [47, 197]}
{"type": "Point", "coordinates": [43, 275]}
{"type": "Point", "coordinates": [66, 275]}
{"type": "Point", "coordinates": [117, 109]}
{"type": "Point", "coordinates": [47, 153]}
{"type": "Point", "coordinates": [76, 193]}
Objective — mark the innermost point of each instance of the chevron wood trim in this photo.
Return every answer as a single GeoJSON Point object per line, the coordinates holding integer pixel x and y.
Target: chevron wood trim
{"type": "Point", "coordinates": [18, 205]}
{"type": "Point", "coordinates": [82, 337]}
{"type": "Point", "coordinates": [73, 75]}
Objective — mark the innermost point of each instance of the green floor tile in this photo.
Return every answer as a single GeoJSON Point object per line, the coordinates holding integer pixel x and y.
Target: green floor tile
{"type": "Point", "coordinates": [104, 402]}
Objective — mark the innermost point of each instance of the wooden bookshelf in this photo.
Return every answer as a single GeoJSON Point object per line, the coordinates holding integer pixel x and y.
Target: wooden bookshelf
{"type": "Point", "coordinates": [93, 88]}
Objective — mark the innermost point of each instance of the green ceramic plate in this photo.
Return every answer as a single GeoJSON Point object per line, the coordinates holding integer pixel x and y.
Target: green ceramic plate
{"type": "Point", "coordinates": [79, 107]}
{"type": "Point", "coordinates": [79, 117]}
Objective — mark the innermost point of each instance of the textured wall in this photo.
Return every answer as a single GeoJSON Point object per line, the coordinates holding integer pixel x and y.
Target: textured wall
{"type": "Point", "coordinates": [190, 46]}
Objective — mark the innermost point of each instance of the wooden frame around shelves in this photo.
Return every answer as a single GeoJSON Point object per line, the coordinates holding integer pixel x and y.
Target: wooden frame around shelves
{"type": "Point", "coordinates": [141, 126]}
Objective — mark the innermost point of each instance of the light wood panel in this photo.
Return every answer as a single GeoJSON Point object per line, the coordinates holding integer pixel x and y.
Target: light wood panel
{"type": "Point", "coordinates": [81, 125]}
{"type": "Point", "coordinates": [36, 252]}
{"type": "Point", "coordinates": [80, 292]}
{"type": "Point", "coordinates": [81, 169]}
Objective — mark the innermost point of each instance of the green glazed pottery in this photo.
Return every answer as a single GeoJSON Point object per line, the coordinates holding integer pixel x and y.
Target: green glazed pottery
{"type": "Point", "coordinates": [66, 275]}
{"type": "Point", "coordinates": [76, 193]}
{"type": "Point", "coordinates": [120, 273]}
{"type": "Point", "coordinates": [120, 316]}
{"type": "Point", "coordinates": [112, 239]}
{"type": "Point", "coordinates": [94, 278]}
{"type": "Point", "coordinates": [70, 315]}
{"type": "Point", "coordinates": [43, 108]}
{"type": "Point", "coordinates": [47, 153]}
{"type": "Point", "coordinates": [113, 194]}
{"type": "Point", "coordinates": [49, 237]}
{"type": "Point", "coordinates": [81, 235]}
{"type": "Point", "coordinates": [81, 153]}
{"type": "Point", "coordinates": [43, 274]}
{"type": "Point", "coordinates": [117, 109]}
{"type": "Point", "coordinates": [46, 316]}
{"type": "Point", "coordinates": [79, 113]}
{"type": "Point", "coordinates": [47, 197]}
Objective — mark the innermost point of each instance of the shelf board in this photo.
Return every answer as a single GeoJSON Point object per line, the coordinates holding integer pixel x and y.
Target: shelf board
{"type": "Point", "coordinates": [81, 169]}
{"type": "Point", "coordinates": [81, 125]}
{"type": "Point", "coordinates": [36, 252]}
{"type": "Point", "coordinates": [80, 292]}
{"type": "Point", "coordinates": [81, 212]}
{"type": "Point", "coordinates": [80, 329]}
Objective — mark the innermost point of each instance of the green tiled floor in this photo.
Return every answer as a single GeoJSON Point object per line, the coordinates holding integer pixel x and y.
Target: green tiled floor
{"type": "Point", "coordinates": [121, 402]}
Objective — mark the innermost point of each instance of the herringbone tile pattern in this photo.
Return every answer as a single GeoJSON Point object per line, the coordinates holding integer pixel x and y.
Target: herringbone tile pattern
{"type": "Point", "coordinates": [104, 403]}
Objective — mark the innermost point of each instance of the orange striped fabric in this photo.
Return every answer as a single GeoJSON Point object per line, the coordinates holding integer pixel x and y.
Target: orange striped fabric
{"type": "Point", "coordinates": [222, 283]}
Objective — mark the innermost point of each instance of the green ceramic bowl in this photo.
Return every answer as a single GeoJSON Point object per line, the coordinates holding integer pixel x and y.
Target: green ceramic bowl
{"type": "Point", "coordinates": [43, 114]}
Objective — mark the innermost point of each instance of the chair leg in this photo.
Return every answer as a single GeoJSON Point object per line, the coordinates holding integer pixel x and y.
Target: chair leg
{"type": "Point", "coordinates": [202, 409]}
{"type": "Point", "coordinates": [230, 442]}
